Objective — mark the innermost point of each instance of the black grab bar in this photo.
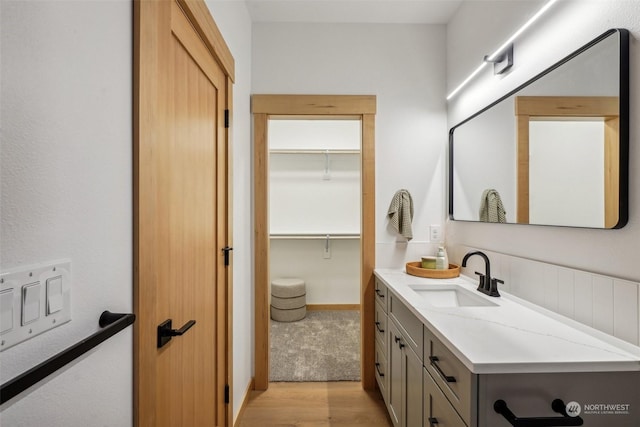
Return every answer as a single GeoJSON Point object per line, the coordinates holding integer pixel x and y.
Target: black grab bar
{"type": "Point", "coordinates": [112, 323]}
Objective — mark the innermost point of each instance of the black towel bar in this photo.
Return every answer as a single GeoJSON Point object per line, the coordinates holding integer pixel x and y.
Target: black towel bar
{"type": "Point", "coordinates": [112, 323]}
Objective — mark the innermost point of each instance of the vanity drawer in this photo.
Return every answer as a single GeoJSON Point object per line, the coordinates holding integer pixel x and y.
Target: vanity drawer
{"type": "Point", "coordinates": [437, 409]}
{"type": "Point", "coordinates": [410, 325]}
{"type": "Point", "coordinates": [381, 294]}
{"type": "Point", "coordinates": [381, 370]}
{"type": "Point", "coordinates": [381, 326]}
{"type": "Point", "coordinates": [448, 372]}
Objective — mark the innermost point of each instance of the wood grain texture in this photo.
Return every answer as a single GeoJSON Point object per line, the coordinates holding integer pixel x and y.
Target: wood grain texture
{"type": "Point", "coordinates": [522, 154]}
{"type": "Point", "coordinates": [320, 105]}
{"type": "Point", "coordinates": [315, 404]}
{"type": "Point", "coordinates": [198, 13]}
{"type": "Point", "coordinates": [368, 254]}
{"type": "Point", "coordinates": [181, 220]}
{"type": "Point", "coordinates": [567, 106]}
{"type": "Point", "coordinates": [611, 172]}
{"type": "Point", "coordinates": [261, 250]}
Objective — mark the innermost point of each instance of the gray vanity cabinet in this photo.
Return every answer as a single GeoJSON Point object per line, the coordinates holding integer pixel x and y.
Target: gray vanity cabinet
{"type": "Point", "coordinates": [452, 378]}
{"type": "Point", "coordinates": [381, 331]}
{"type": "Point", "coordinates": [438, 412]}
{"type": "Point", "coordinates": [405, 365]}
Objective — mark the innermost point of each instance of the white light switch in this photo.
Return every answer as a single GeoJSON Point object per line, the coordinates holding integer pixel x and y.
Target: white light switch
{"type": "Point", "coordinates": [34, 299]}
{"type": "Point", "coordinates": [6, 311]}
{"type": "Point", "coordinates": [54, 295]}
{"type": "Point", "coordinates": [30, 303]}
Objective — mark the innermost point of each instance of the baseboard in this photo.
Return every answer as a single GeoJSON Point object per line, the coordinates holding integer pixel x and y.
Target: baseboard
{"type": "Point", "coordinates": [245, 401]}
{"type": "Point", "coordinates": [321, 307]}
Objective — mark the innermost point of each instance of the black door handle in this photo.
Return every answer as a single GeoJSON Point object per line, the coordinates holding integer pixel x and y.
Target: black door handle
{"type": "Point", "coordinates": [165, 332]}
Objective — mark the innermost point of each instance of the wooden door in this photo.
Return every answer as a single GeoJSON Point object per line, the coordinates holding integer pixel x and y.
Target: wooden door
{"type": "Point", "coordinates": [181, 219]}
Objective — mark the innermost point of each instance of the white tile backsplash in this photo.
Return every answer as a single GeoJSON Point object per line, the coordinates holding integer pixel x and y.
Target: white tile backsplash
{"type": "Point", "coordinates": [609, 304]}
{"type": "Point", "coordinates": [625, 316]}
{"type": "Point", "coordinates": [566, 292]}
{"type": "Point", "coordinates": [603, 303]}
{"type": "Point", "coordinates": [583, 297]}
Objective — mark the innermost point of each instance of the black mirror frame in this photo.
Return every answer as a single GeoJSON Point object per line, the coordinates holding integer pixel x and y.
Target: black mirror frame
{"type": "Point", "coordinates": [623, 213]}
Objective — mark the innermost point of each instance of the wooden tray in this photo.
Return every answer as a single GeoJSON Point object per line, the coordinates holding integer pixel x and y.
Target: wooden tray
{"type": "Point", "coordinates": [415, 269]}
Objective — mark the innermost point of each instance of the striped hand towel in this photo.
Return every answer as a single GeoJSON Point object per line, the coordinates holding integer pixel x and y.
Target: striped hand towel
{"type": "Point", "coordinates": [401, 213]}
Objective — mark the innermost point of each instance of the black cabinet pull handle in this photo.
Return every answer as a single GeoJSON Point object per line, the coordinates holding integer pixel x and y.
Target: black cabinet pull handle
{"type": "Point", "coordinates": [432, 421]}
{"type": "Point", "coordinates": [165, 332]}
{"type": "Point", "coordinates": [380, 294]}
{"type": "Point", "coordinates": [500, 406]}
{"type": "Point", "coordinates": [378, 327]}
{"type": "Point", "coordinates": [447, 378]}
{"type": "Point", "coordinates": [378, 369]}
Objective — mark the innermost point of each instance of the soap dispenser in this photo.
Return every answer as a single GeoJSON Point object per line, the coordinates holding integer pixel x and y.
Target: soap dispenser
{"type": "Point", "coordinates": [441, 259]}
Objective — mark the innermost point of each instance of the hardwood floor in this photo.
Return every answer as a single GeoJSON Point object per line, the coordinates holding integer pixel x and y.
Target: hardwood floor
{"type": "Point", "coordinates": [313, 405]}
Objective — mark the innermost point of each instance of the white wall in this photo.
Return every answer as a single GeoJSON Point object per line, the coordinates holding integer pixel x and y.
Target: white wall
{"type": "Point", "coordinates": [610, 252]}
{"type": "Point", "coordinates": [403, 65]}
{"type": "Point", "coordinates": [234, 23]}
{"type": "Point", "coordinates": [66, 178]}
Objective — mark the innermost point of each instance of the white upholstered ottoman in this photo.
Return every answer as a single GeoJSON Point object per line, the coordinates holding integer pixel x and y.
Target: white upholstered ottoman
{"type": "Point", "coordinates": [288, 299]}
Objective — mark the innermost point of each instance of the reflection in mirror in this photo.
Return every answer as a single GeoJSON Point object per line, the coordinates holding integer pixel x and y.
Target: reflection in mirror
{"type": "Point", "coordinates": [552, 152]}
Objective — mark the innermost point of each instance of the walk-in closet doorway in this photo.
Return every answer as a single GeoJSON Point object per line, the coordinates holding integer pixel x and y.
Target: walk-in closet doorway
{"type": "Point", "coordinates": [342, 235]}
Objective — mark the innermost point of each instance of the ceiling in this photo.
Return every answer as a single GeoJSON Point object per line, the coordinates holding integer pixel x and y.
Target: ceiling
{"type": "Point", "coordinates": [354, 11]}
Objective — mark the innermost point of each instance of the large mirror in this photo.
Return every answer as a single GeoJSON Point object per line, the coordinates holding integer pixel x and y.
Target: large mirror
{"type": "Point", "coordinates": [553, 151]}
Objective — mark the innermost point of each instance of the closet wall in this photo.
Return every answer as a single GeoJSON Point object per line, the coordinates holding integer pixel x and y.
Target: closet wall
{"type": "Point", "coordinates": [314, 206]}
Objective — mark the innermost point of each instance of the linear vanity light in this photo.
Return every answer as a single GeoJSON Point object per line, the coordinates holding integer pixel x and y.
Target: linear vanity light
{"type": "Point", "coordinates": [504, 52]}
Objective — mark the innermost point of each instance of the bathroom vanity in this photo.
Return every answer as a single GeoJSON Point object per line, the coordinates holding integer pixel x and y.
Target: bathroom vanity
{"type": "Point", "coordinates": [447, 355]}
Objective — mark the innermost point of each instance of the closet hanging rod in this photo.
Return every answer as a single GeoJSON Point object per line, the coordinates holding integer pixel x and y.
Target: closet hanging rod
{"type": "Point", "coordinates": [310, 151]}
{"type": "Point", "coordinates": [332, 236]}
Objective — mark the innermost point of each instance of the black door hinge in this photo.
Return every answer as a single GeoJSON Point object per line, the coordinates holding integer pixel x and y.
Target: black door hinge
{"type": "Point", "coordinates": [226, 119]}
{"type": "Point", "coordinates": [226, 251]}
{"type": "Point", "coordinates": [226, 393]}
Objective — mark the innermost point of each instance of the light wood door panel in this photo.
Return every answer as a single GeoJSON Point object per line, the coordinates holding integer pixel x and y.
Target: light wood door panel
{"type": "Point", "coordinates": [181, 221]}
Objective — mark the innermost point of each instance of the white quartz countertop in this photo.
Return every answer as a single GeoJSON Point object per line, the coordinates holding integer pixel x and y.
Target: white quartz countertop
{"type": "Point", "coordinates": [513, 336]}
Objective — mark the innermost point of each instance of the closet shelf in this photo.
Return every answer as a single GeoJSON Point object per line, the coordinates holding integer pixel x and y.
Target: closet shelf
{"type": "Point", "coordinates": [303, 151]}
{"type": "Point", "coordinates": [315, 236]}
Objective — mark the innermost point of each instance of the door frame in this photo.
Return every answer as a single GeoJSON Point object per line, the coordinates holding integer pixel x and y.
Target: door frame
{"type": "Point", "coordinates": [531, 108]}
{"type": "Point", "coordinates": [148, 84]}
{"type": "Point", "coordinates": [314, 106]}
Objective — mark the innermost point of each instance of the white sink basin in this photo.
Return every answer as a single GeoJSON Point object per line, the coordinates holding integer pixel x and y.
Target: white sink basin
{"type": "Point", "coordinates": [450, 296]}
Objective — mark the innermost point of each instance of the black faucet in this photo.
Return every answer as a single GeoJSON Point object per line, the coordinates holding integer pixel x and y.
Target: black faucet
{"type": "Point", "coordinates": [487, 284]}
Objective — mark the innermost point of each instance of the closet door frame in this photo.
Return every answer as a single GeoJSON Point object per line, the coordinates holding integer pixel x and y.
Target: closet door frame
{"type": "Point", "coordinates": [362, 107]}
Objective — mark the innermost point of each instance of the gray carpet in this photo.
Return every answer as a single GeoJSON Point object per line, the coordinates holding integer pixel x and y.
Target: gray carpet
{"type": "Point", "coordinates": [324, 346]}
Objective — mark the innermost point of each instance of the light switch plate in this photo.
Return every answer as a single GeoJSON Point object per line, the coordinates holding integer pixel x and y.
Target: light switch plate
{"type": "Point", "coordinates": [435, 233]}
{"type": "Point", "coordinates": [34, 299]}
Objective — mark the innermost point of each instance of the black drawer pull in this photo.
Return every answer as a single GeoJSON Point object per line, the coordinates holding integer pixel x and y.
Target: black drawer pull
{"type": "Point", "coordinates": [432, 421]}
{"type": "Point", "coordinates": [500, 406]}
{"type": "Point", "coordinates": [380, 294]}
{"type": "Point", "coordinates": [378, 369]}
{"type": "Point", "coordinates": [398, 341]}
{"type": "Point", "coordinates": [447, 378]}
{"type": "Point", "coordinates": [378, 327]}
